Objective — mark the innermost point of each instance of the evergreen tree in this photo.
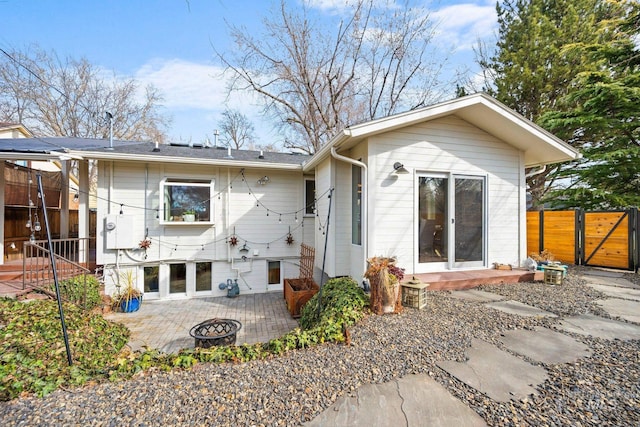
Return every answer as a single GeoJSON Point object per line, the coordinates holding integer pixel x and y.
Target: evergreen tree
{"type": "Point", "coordinates": [530, 70]}
{"type": "Point", "coordinates": [601, 113]}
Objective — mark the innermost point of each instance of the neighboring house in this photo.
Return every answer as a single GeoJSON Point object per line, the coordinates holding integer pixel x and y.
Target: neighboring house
{"type": "Point", "coordinates": [440, 188]}
{"type": "Point", "coordinates": [13, 131]}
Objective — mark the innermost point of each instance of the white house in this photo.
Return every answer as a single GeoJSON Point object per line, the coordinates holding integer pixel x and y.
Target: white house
{"type": "Point", "coordinates": [440, 188]}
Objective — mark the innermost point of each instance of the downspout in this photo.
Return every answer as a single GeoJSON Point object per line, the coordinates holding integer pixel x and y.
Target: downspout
{"type": "Point", "coordinates": [146, 194]}
{"type": "Point", "coordinates": [228, 219]}
{"type": "Point", "coordinates": [365, 217]}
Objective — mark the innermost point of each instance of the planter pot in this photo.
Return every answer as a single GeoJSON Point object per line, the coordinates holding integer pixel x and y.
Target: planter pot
{"type": "Point", "coordinates": [189, 217]}
{"type": "Point", "coordinates": [131, 305]}
{"type": "Point", "coordinates": [297, 292]}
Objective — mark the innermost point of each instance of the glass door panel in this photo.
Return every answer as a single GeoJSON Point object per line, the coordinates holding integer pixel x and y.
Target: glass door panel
{"type": "Point", "coordinates": [177, 279]}
{"type": "Point", "coordinates": [469, 220]}
{"type": "Point", "coordinates": [203, 276]}
{"type": "Point", "coordinates": [433, 219]}
{"type": "Point", "coordinates": [451, 218]}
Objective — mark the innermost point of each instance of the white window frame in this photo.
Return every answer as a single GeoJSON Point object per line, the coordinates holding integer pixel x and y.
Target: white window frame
{"type": "Point", "coordinates": [163, 214]}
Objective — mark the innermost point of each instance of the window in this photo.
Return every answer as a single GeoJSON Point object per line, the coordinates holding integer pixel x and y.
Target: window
{"type": "Point", "coordinates": [186, 201]}
{"type": "Point", "coordinates": [356, 205]}
{"type": "Point", "coordinates": [203, 276]}
{"type": "Point", "coordinates": [177, 278]}
{"type": "Point", "coordinates": [151, 279]}
{"type": "Point", "coordinates": [274, 272]}
{"type": "Point", "coordinates": [309, 196]}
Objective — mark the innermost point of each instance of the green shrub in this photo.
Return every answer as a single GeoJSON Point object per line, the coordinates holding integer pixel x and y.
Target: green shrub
{"type": "Point", "coordinates": [73, 290]}
{"type": "Point", "coordinates": [343, 304]}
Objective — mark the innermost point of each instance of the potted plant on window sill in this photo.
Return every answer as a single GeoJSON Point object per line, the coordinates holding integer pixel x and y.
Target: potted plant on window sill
{"type": "Point", "coordinates": [128, 298]}
{"type": "Point", "coordinates": [189, 215]}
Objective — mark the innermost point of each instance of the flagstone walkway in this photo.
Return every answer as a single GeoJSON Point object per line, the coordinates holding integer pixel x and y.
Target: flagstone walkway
{"type": "Point", "coordinates": [491, 370]}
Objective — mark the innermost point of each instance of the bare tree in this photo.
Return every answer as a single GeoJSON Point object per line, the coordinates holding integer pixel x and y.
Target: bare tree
{"type": "Point", "coordinates": [316, 80]}
{"type": "Point", "coordinates": [236, 129]}
{"type": "Point", "coordinates": [69, 98]}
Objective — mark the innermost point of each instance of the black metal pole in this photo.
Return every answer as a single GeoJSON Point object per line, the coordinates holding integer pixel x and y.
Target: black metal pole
{"type": "Point", "coordinates": [53, 268]}
{"type": "Point", "coordinates": [324, 256]}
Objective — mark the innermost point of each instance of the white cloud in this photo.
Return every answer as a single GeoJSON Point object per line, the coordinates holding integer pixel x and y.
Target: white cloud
{"type": "Point", "coordinates": [461, 25]}
{"type": "Point", "coordinates": [195, 95]}
{"type": "Point", "coordinates": [185, 84]}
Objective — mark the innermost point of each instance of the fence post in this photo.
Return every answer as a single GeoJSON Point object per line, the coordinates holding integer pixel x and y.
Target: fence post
{"type": "Point", "coordinates": [579, 236]}
{"type": "Point", "coordinates": [541, 231]}
{"type": "Point", "coordinates": [634, 239]}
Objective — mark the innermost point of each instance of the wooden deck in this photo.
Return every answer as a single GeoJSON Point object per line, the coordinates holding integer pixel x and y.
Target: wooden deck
{"type": "Point", "coordinates": [458, 280]}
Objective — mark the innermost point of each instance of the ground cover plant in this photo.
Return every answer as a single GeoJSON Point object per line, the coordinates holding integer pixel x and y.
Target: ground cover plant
{"type": "Point", "coordinates": [73, 290]}
{"type": "Point", "coordinates": [33, 357]}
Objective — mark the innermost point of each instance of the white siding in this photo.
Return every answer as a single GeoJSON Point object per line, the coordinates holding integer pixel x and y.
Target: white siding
{"type": "Point", "coordinates": [444, 145]}
{"type": "Point", "coordinates": [324, 182]}
{"type": "Point", "coordinates": [240, 206]}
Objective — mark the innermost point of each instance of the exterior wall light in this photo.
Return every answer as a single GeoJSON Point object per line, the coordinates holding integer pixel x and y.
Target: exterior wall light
{"type": "Point", "coordinates": [399, 168]}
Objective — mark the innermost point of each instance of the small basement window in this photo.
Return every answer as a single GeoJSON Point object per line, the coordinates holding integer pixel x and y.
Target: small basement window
{"type": "Point", "coordinates": [186, 201]}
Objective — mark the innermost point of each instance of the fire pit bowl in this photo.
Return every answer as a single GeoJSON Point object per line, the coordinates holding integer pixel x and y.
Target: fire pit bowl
{"type": "Point", "coordinates": [215, 332]}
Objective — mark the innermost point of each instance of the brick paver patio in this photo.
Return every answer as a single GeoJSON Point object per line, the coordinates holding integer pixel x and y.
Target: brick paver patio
{"type": "Point", "coordinates": [165, 324]}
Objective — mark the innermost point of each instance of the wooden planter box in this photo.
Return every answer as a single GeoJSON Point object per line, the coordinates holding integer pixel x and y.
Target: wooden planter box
{"type": "Point", "coordinates": [297, 292]}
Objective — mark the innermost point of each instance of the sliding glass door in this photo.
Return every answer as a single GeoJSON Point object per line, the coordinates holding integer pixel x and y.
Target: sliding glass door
{"type": "Point", "coordinates": [451, 222]}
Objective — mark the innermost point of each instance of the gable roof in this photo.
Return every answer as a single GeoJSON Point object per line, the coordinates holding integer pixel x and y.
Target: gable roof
{"type": "Point", "coordinates": [6, 127]}
{"type": "Point", "coordinates": [539, 146]}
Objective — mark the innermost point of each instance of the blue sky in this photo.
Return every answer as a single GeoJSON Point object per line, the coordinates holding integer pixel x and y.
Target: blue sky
{"type": "Point", "coordinates": [168, 43]}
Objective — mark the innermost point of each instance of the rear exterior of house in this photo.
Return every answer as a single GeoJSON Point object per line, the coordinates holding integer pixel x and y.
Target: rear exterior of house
{"type": "Point", "coordinates": [247, 226]}
{"type": "Point", "coordinates": [441, 188]}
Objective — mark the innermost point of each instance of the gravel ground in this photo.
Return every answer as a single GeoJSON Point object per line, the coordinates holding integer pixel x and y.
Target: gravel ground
{"type": "Point", "coordinates": [603, 389]}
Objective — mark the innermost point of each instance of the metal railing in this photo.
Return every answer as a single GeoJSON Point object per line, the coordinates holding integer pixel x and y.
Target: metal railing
{"type": "Point", "coordinates": [37, 270]}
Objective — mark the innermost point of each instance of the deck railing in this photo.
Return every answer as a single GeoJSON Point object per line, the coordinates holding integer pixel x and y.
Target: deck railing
{"type": "Point", "coordinates": [37, 271]}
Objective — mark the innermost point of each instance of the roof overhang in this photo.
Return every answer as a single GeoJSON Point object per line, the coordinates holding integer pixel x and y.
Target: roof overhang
{"type": "Point", "coordinates": [149, 158]}
{"type": "Point", "coordinates": [539, 146]}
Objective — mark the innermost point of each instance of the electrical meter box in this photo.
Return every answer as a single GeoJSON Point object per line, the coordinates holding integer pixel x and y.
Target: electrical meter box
{"type": "Point", "coordinates": [119, 233]}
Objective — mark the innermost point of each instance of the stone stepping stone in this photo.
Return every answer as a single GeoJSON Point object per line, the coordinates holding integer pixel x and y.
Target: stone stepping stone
{"type": "Point", "coordinates": [544, 345]}
{"type": "Point", "coordinates": [610, 281]}
{"type": "Point", "coordinates": [604, 273]}
{"type": "Point", "coordinates": [476, 295]}
{"type": "Point", "coordinates": [516, 307]}
{"type": "Point", "coordinates": [599, 327]}
{"type": "Point", "coordinates": [414, 400]}
{"type": "Point", "coordinates": [496, 373]}
{"type": "Point", "coordinates": [624, 309]}
{"type": "Point", "coordinates": [617, 292]}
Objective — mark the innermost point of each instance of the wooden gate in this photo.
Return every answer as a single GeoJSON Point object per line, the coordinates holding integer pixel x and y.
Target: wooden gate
{"type": "Point", "coordinates": [605, 239]}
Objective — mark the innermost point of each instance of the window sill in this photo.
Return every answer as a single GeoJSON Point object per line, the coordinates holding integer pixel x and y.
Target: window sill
{"type": "Point", "coordinates": [208, 223]}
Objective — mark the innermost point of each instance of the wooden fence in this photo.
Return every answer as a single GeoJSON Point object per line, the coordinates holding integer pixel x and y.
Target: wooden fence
{"type": "Point", "coordinates": [598, 238]}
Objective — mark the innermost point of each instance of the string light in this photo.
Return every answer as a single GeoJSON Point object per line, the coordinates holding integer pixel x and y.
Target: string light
{"type": "Point", "coordinates": [121, 205]}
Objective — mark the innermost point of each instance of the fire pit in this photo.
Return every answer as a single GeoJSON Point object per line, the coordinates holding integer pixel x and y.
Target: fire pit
{"type": "Point", "coordinates": [215, 332]}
